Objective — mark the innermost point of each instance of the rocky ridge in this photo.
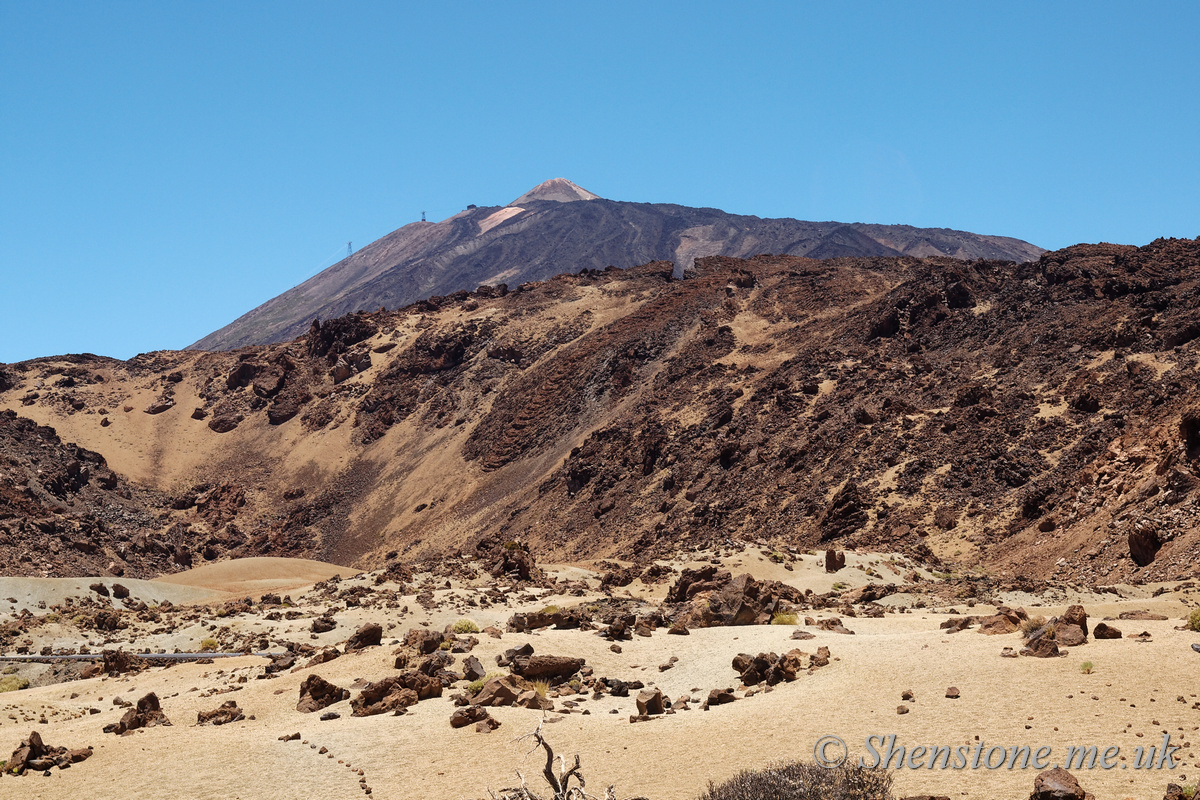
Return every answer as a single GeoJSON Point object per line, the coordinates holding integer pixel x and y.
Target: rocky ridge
{"type": "Point", "coordinates": [1032, 420]}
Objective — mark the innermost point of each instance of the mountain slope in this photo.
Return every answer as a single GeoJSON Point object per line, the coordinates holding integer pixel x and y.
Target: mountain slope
{"type": "Point", "coordinates": [559, 227]}
{"type": "Point", "coordinates": [1035, 419]}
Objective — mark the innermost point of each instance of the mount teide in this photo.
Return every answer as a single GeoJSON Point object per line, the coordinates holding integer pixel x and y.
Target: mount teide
{"type": "Point", "coordinates": [559, 227]}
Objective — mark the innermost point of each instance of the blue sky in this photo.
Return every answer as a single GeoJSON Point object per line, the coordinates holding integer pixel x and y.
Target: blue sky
{"type": "Point", "coordinates": [166, 167]}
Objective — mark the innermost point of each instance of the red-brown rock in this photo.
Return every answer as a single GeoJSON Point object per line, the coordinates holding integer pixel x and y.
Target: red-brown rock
{"type": "Point", "coordinates": [317, 693]}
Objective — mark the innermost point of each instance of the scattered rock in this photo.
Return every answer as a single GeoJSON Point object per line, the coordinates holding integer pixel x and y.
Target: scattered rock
{"type": "Point", "coordinates": [1105, 631]}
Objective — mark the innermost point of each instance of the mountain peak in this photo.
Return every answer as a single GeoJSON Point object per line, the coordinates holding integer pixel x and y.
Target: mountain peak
{"type": "Point", "coordinates": [560, 190]}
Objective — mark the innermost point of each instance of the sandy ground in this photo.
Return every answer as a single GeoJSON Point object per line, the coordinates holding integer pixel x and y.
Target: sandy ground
{"type": "Point", "coordinates": [1135, 693]}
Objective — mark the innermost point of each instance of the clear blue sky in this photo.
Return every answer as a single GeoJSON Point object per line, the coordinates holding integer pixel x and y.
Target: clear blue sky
{"type": "Point", "coordinates": [165, 167]}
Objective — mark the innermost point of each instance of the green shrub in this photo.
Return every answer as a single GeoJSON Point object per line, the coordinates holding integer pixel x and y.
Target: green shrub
{"type": "Point", "coordinates": [465, 626]}
{"type": "Point", "coordinates": [800, 781]}
{"type": "Point", "coordinates": [550, 609]}
{"type": "Point", "coordinates": [209, 645]}
{"type": "Point", "coordinates": [445, 645]}
{"type": "Point", "coordinates": [1190, 791]}
{"type": "Point", "coordinates": [473, 687]}
{"type": "Point", "coordinates": [1193, 620]}
{"type": "Point", "coordinates": [541, 687]}
{"type": "Point", "coordinates": [11, 669]}
{"type": "Point", "coordinates": [784, 618]}
{"type": "Point", "coordinates": [1087, 667]}
{"type": "Point", "coordinates": [11, 683]}
{"type": "Point", "coordinates": [839, 586]}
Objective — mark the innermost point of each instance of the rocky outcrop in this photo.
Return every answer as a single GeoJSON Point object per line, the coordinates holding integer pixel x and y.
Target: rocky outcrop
{"type": "Point", "coordinates": [729, 601]}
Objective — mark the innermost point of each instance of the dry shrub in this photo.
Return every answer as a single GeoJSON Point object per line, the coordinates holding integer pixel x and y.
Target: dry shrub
{"type": "Point", "coordinates": [1031, 626]}
{"type": "Point", "coordinates": [801, 781]}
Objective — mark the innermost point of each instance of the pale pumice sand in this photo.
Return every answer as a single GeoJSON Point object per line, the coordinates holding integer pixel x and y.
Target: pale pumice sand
{"type": "Point", "coordinates": [418, 755]}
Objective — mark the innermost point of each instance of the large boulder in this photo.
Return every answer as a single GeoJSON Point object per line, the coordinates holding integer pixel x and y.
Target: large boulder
{"type": "Point", "coordinates": [425, 641]}
{"type": "Point", "coordinates": [426, 686]}
{"type": "Point", "coordinates": [737, 601]}
{"type": "Point", "coordinates": [551, 668]}
{"type": "Point", "coordinates": [498, 691]}
{"type": "Point", "coordinates": [650, 701]}
{"type": "Point", "coordinates": [227, 712]}
{"type": "Point", "coordinates": [1069, 635]}
{"type": "Point", "coordinates": [530, 698]}
{"type": "Point", "coordinates": [1075, 615]}
{"type": "Point", "coordinates": [1005, 620]}
{"type": "Point", "coordinates": [317, 693]}
{"type": "Point", "coordinates": [147, 714]}
{"type": "Point", "coordinates": [472, 669]}
{"type": "Point", "coordinates": [1058, 784]}
{"type": "Point", "coordinates": [1041, 647]}
{"type": "Point", "coordinates": [468, 715]}
{"type": "Point", "coordinates": [369, 635]}
{"type": "Point", "coordinates": [693, 581]}
{"type": "Point", "coordinates": [1105, 631]}
{"type": "Point", "coordinates": [389, 694]}
{"type": "Point", "coordinates": [835, 560]}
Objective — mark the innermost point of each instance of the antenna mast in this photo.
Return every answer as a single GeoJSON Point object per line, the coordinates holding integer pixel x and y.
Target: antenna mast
{"type": "Point", "coordinates": [422, 216]}
{"type": "Point", "coordinates": [349, 249]}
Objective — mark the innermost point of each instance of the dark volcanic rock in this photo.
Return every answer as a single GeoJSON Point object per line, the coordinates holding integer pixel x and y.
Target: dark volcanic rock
{"type": "Point", "coordinates": [1057, 784]}
{"type": "Point", "coordinates": [33, 754]}
{"type": "Point", "coordinates": [317, 693]}
{"type": "Point", "coordinates": [845, 514]}
{"type": "Point", "coordinates": [389, 694]}
{"type": "Point", "coordinates": [227, 712]}
{"type": "Point", "coordinates": [368, 635]}
{"type": "Point", "coordinates": [147, 714]}
{"type": "Point", "coordinates": [441, 259]}
{"type": "Point", "coordinates": [546, 667]}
